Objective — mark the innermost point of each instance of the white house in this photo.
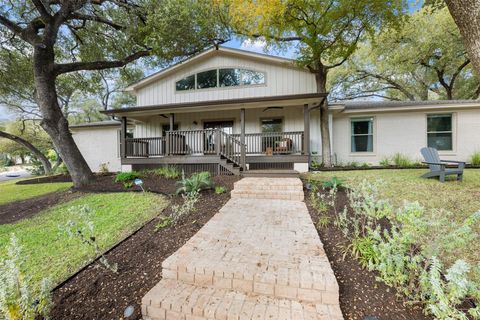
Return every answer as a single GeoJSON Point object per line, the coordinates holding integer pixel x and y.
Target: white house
{"type": "Point", "coordinates": [231, 111]}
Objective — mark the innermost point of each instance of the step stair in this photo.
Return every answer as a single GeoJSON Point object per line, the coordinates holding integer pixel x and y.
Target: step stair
{"type": "Point", "coordinates": [268, 188]}
{"type": "Point", "coordinates": [252, 260]}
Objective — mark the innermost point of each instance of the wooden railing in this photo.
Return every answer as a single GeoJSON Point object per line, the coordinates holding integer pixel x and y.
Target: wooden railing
{"type": "Point", "coordinates": [144, 147]}
{"type": "Point", "coordinates": [274, 142]}
{"type": "Point", "coordinates": [215, 141]}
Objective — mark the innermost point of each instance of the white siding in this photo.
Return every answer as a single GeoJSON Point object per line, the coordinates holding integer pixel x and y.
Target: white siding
{"type": "Point", "coordinates": [406, 133]}
{"type": "Point", "coordinates": [280, 80]}
{"type": "Point", "coordinates": [99, 146]}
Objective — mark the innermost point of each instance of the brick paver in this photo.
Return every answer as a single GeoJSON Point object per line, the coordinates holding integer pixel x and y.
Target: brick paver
{"type": "Point", "coordinates": [259, 257]}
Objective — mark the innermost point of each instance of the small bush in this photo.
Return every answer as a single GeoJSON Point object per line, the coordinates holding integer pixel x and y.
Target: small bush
{"type": "Point", "coordinates": [19, 297]}
{"type": "Point", "coordinates": [220, 189]}
{"type": "Point", "coordinates": [401, 160]}
{"type": "Point", "coordinates": [323, 222]}
{"type": "Point", "coordinates": [165, 222]}
{"type": "Point", "coordinates": [475, 158]}
{"type": "Point", "coordinates": [167, 172]}
{"type": "Point", "coordinates": [385, 162]}
{"type": "Point", "coordinates": [187, 207]}
{"type": "Point", "coordinates": [332, 183]}
{"type": "Point", "coordinates": [103, 168]}
{"type": "Point", "coordinates": [127, 176]}
{"type": "Point", "coordinates": [196, 183]}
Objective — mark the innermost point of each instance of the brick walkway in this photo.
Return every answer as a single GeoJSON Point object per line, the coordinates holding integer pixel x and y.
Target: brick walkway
{"type": "Point", "coordinates": [260, 257]}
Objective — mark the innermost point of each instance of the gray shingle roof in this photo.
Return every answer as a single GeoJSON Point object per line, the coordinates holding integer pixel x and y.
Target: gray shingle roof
{"type": "Point", "coordinates": [354, 105]}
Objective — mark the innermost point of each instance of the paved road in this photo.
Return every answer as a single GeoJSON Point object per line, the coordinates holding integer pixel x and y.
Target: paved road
{"type": "Point", "coordinates": [11, 175]}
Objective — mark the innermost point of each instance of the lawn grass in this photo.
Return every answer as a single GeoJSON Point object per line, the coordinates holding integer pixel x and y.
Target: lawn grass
{"type": "Point", "coordinates": [406, 184]}
{"type": "Point", "coordinates": [53, 254]}
{"type": "Point", "coordinates": [11, 192]}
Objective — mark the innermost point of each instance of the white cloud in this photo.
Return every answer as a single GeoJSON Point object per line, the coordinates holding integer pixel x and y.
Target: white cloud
{"type": "Point", "coordinates": [257, 45]}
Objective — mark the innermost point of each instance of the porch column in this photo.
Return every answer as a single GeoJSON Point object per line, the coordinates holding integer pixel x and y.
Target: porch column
{"type": "Point", "coordinates": [123, 136]}
{"type": "Point", "coordinates": [242, 139]}
{"type": "Point", "coordinates": [168, 137]}
{"type": "Point", "coordinates": [306, 130]}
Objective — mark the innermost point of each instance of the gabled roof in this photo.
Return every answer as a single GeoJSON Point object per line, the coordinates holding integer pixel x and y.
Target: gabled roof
{"type": "Point", "coordinates": [364, 106]}
{"type": "Point", "coordinates": [210, 53]}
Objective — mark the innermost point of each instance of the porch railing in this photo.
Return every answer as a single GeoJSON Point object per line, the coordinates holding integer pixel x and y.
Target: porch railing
{"type": "Point", "coordinates": [144, 147]}
{"type": "Point", "coordinates": [274, 142]}
{"type": "Point", "coordinates": [215, 142]}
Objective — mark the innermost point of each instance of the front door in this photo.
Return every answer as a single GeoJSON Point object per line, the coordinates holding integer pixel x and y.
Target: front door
{"type": "Point", "coordinates": [225, 126]}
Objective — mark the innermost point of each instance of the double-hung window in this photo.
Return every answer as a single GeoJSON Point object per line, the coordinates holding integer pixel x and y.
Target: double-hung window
{"type": "Point", "coordinates": [440, 131]}
{"type": "Point", "coordinates": [362, 134]}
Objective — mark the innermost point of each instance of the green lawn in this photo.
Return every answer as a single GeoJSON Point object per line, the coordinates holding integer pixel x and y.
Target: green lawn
{"type": "Point", "coordinates": [51, 253]}
{"type": "Point", "coordinates": [10, 192]}
{"type": "Point", "coordinates": [399, 185]}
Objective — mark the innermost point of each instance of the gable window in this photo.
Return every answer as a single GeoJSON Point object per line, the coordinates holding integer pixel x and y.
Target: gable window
{"type": "Point", "coordinates": [229, 77]}
{"type": "Point", "coordinates": [207, 79]}
{"type": "Point", "coordinates": [250, 77]}
{"type": "Point", "coordinates": [187, 83]}
{"type": "Point", "coordinates": [362, 134]}
{"type": "Point", "coordinates": [224, 77]}
{"type": "Point", "coordinates": [439, 131]}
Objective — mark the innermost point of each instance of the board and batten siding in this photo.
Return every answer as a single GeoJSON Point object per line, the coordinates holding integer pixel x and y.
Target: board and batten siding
{"type": "Point", "coordinates": [280, 80]}
{"type": "Point", "coordinates": [292, 121]}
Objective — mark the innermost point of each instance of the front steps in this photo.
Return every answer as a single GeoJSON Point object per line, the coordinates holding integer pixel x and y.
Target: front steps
{"type": "Point", "coordinates": [271, 173]}
{"type": "Point", "coordinates": [255, 259]}
{"type": "Point", "coordinates": [268, 188]}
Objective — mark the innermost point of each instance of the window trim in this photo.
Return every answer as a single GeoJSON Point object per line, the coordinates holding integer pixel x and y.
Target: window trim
{"type": "Point", "coordinates": [218, 87]}
{"type": "Point", "coordinates": [282, 118]}
{"type": "Point", "coordinates": [453, 132]}
{"type": "Point", "coordinates": [374, 136]}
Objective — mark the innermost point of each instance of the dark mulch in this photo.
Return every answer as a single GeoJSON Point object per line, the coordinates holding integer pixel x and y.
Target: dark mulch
{"type": "Point", "coordinates": [18, 210]}
{"type": "Point", "coordinates": [360, 294]}
{"type": "Point", "coordinates": [97, 293]}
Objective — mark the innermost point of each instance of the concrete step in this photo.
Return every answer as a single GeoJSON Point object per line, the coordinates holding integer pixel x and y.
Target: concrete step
{"type": "Point", "coordinates": [269, 188]}
{"type": "Point", "coordinates": [268, 194]}
{"type": "Point", "coordinates": [171, 299]}
{"type": "Point", "coordinates": [272, 173]}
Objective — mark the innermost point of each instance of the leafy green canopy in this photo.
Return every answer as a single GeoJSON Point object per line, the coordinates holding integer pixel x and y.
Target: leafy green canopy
{"type": "Point", "coordinates": [425, 59]}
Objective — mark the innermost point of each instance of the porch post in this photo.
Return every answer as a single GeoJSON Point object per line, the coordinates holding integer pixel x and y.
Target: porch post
{"type": "Point", "coordinates": [171, 118]}
{"type": "Point", "coordinates": [242, 139]}
{"type": "Point", "coordinates": [306, 131]}
{"type": "Point", "coordinates": [168, 138]}
{"type": "Point", "coordinates": [123, 136]}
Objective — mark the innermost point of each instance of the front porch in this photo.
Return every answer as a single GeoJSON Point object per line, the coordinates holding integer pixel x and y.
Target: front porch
{"type": "Point", "coordinates": [221, 139]}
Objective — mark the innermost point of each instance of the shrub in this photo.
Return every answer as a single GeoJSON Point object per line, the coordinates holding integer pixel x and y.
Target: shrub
{"type": "Point", "coordinates": [332, 183]}
{"type": "Point", "coordinates": [127, 176]}
{"type": "Point", "coordinates": [385, 162]}
{"type": "Point", "coordinates": [401, 160]}
{"type": "Point", "coordinates": [187, 207]}
{"type": "Point", "coordinates": [475, 158]}
{"type": "Point", "coordinates": [220, 189]}
{"type": "Point", "coordinates": [81, 227]}
{"type": "Point", "coordinates": [165, 222]}
{"type": "Point", "coordinates": [103, 168]}
{"type": "Point", "coordinates": [168, 172]}
{"type": "Point", "coordinates": [362, 248]}
{"type": "Point", "coordinates": [19, 297]}
{"type": "Point", "coordinates": [196, 183]}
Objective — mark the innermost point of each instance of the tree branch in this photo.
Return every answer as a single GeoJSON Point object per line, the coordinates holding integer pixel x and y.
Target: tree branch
{"type": "Point", "coordinates": [44, 13]}
{"type": "Point", "coordinates": [99, 65]}
{"type": "Point", "coordinates": [85, 17]}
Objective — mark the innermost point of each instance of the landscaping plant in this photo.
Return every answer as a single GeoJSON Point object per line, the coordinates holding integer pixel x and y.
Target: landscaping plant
{"type": "Point", "coordinates": [127, 178]}
{"type": "Point", "coordinates": [475, 159]}
{"type": "Point", "coordinates": [187, 207]}
{"type": "Point", "coordinates": [168, 172]}
{"type": "Point", "coordinates": [220, 189]}
{"type": "Point", "coordinates": [20, 299]}
{"type": "Point", "coordinates": [82, 227]}
{"type": "Point", "coordinates": [402, 161]}
{"type": "Point", "coordinates": [196, 183]}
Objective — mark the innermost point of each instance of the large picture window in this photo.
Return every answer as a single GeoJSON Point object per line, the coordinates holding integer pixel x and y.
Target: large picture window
{"type": "Point", "coordinates": [224, 77]}
{"type": "Point", "coordinates": [439, 131]}
{"type": "Point", "coordinates": [362, 135]}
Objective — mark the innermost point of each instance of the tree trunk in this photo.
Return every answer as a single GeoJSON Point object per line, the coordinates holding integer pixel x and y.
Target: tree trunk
{"type": "Point", "coordinates": [466, 14]}
{"type": "Point", "coordinates": [53, 120]}
{"type": "Point", "coordinates": [321, 80]}
{"type": "Point", "coordinates": [47, 167]}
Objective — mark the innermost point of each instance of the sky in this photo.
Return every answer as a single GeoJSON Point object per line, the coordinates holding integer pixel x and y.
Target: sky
{"type": "Point", "coordinates": [249, 45]}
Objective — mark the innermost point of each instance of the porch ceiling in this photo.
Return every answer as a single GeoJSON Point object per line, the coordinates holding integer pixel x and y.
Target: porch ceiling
{"type": "Point", "coordinates": [312, 99]}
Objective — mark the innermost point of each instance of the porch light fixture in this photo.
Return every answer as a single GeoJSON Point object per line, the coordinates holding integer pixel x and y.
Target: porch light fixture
{"type": "Point", "coordinates": [195, 122]}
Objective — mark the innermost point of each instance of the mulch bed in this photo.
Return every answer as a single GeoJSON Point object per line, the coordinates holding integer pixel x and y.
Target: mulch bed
{"type": "Point", "coordinates": [97, 293]}
{"type": "Point", "coordinates": [23, 209]}
{"type": "Point", "coordinates": [360, 294]}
